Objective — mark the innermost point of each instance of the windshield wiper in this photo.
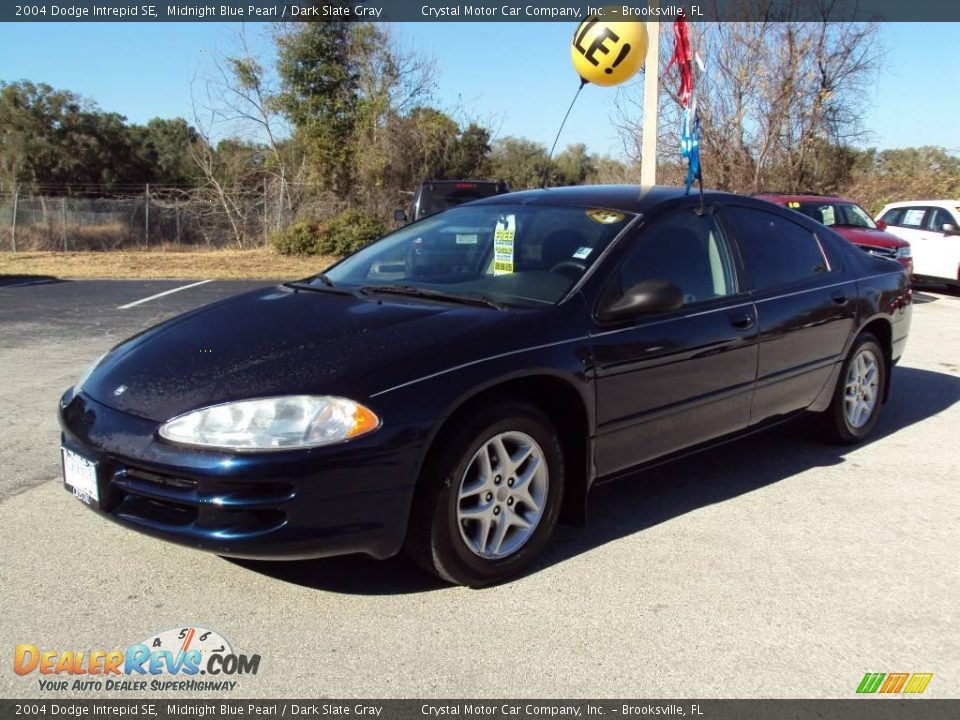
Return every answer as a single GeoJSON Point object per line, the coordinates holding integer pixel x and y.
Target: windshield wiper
{"type": "Point", "coordinates": [413, 291]}
{"type": "Point", "coordinates": [326, 285]}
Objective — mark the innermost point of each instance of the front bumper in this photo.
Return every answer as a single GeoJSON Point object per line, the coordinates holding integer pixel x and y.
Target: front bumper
{"type": "Point", "coordinates": [336, 500]}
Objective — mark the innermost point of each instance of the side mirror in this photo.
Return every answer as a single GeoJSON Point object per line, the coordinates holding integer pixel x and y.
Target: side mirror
{"type": "Point", "coordinates": [948, 229]}
{"type": "Point", "coordinates": [400, 215]}
{"type": "Point", "coordinates": [881, 224]}
{"type": "Point", "coordinates": [644, 298]}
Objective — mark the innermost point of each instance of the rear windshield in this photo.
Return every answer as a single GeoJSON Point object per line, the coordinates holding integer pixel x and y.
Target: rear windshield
{"type": "Point", "coordinates": [437, 198]}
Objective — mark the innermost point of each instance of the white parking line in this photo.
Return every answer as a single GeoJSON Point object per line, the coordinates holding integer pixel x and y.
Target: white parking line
{"type": "Point", "coordinates": [158, 295]}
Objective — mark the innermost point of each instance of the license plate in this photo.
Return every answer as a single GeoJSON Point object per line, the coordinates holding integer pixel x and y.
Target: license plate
{"type": "Point", "coordinates": [80, 477]}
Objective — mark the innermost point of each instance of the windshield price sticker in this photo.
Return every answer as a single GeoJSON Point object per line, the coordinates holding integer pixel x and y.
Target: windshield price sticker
{"type": "Point", "coordinates": [503, 245]}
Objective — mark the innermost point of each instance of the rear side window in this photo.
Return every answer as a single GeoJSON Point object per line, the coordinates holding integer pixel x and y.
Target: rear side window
{"type": "Point", "coordinates": [776, 250]}
{"type": "Point", "coordinates": [913, 217]}
{"type": "Point", "coordinates": [937, 218]}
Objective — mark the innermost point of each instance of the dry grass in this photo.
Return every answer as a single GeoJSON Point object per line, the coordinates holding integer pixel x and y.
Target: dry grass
{"type": "Point", "coordinates": [214, 264]}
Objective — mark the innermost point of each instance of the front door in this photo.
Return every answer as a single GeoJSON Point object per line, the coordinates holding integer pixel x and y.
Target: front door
{"type": "Point", "coordinates": [669, 381]}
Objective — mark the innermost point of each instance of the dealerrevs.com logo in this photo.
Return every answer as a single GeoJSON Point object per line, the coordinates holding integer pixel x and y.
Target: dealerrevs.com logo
{"type": "Point", "coordinates": [188, 659]}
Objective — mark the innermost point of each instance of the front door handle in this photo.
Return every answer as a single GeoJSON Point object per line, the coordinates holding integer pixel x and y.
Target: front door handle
{"type": "Point", "coordinates": [742, 320]}
{"type": "Point", "coordinates": [839, 297]}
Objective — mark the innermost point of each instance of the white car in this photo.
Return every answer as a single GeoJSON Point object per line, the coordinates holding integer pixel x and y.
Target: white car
{"type": "Point", "coordinates": [932, 227]}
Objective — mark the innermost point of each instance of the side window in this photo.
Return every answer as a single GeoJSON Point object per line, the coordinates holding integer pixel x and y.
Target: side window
{"type": "Point", "coordinates": [893, 217]}
{"type": "Point", "coordinates": [688, 250]}
{"type": "Point", "coordinates": [937, 218]}
{"type": "Point", "coordinates": [777, 251]}
{"type": "Point", "coordinates": [913, 217]}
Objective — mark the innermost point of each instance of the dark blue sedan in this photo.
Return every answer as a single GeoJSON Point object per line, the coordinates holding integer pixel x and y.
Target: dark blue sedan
{"type": "Point", "coordinates": [457, 387]}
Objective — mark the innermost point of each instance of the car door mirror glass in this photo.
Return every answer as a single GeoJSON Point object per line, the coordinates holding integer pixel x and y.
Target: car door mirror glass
{"type": "Point", "coordinates": [400, 215]}
{"type": "Point", "coordinates": [644, 298]}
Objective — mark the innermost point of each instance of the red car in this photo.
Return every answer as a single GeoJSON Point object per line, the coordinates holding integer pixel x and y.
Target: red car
{"type": "Point", "coordinates": [849, 220]}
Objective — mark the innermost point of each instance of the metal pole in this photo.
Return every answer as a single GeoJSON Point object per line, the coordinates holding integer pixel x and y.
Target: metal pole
{"type": "Point", "coordinates": [13, 227]}
{"type": "Point", "coordinates": [146, 220]}
{"type": "Point", "coordinates": [178, 222]}
{"type": "Point", "coordinates": [63, 222]}
{"type": "Point", "coordinates": [264, 210]}
{"type": "Point", "coordinates": [651, 81]}
{"type": "Point", "coordinates": [280, 201]}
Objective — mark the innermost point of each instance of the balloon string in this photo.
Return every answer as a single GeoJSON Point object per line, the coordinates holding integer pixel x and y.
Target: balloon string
{"type": "Point", "coordinates": [546, 168]}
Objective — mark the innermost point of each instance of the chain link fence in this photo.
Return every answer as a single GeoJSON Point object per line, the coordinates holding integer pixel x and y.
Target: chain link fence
{"type": "Point", "coordinates": [157, 218]}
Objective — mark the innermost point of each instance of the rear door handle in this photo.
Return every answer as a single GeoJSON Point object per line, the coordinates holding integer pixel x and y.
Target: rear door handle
{"type": "Point", "coordinates": [742, 320]}
{"type": "Point", "coordinates": [839, 297]}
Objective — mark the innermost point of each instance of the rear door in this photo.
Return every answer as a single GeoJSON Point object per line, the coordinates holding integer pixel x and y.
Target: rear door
{"type": "Point", "coordinates": [939, 251]}
{"type": "Point", "coordinates": [805, 300]}
{"type": "Point", "coordinates": [907, 224]}
{"type": "Point", "coordinates": [672, 380]}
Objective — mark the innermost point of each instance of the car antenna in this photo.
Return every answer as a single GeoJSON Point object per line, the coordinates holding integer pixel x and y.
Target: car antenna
{"type": "Point", "coordinates": [546, 166]}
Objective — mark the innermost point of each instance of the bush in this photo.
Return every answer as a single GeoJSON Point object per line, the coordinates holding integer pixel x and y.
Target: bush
{"type": "Point", "coordinates": [299, 238]}
{"type": "Point", "coordinates": [342, 234]}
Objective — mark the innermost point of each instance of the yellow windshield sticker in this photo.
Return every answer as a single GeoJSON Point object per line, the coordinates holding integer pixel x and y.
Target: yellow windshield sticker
{"type": "Point", "coordinates": [794, 204]}
{"type": "Point", "coordinates": [503, 245]}
{"type": "Point", "coordinates": [606, 217]}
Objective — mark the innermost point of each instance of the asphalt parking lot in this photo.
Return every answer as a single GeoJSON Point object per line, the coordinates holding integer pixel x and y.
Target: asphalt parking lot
{"type": "Point", "coordinates": [773, 567]}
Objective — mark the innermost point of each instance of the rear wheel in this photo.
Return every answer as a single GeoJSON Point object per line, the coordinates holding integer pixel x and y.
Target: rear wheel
{"type": "Point", "coordinates": [857, 399]}
{"type": "Point", "coordinates": [489, 499]}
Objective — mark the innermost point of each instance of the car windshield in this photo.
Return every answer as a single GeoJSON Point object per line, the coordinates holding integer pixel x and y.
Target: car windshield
{"type": "Point", "coordinates": [829, 214]}
{"type": "Point", "coordinates": [513, 255]}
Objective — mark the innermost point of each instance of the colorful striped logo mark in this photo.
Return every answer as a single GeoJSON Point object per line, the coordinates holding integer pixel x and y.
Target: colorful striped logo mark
{"type": "Point", "coordinates": [903, 683]}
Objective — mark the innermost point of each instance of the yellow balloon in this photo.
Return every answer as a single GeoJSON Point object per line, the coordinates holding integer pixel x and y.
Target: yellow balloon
{"type": "Point", "coordinates": [608, 53]}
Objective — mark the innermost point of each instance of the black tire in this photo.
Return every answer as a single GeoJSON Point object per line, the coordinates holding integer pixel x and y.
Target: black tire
{"type": "Point", "coordinates": [433, 536]}
{"type": "Point", "coordinates": [834, 421]}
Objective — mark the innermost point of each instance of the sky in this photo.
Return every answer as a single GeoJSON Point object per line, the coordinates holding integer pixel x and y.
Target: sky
{"type": "Point", "coordinates": [516, 76]}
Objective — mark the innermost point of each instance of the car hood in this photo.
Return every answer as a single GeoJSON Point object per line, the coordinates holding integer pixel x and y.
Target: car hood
{"type": "Point", "coordinates": [279, 341]}
{"type": "Point", "coordinates": [870, 236]}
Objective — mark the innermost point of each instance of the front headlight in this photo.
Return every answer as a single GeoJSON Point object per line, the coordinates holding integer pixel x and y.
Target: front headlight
{"type": "Point", "coordinates": [273, 423]}
{"type": "Point", "coordinates": [903, 251]}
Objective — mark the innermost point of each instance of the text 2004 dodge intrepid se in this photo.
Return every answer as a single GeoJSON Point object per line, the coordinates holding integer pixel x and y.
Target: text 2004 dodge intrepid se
{"type": "Point", "coordinates": [459, 385]}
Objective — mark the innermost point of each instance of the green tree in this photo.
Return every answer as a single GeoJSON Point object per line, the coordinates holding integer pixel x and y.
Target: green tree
{"type": "Point", "coordinates": [519, 161]}
{"type": "Point", "coordinates": [574, 166]}
{"type": "Point", "coordinates": [169, 144]}
{"type": "Point", "coordinates": [320, 77]}
{"type": "Point", "coordinates": [470, 153]}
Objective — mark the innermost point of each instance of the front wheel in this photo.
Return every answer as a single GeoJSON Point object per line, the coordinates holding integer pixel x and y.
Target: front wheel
{"type": "Point", "coordinates": [855, 407]}
{"type": "Point", "coordinates": [489, 499]}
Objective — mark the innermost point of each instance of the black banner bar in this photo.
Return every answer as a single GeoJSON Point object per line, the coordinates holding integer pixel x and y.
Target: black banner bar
{"type": "Point", "coordinates": [475, 10]}
{"type": "Point", "coordinates": [874, 708]}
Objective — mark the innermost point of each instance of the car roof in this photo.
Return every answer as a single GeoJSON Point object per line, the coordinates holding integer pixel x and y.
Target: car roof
{"type": "Point", "coordinates": [462, 182]}
{"type": "Point", "coordinates": [802, 197]}
{"type": "Point", "coordinates": [934, 203]}
{"type": "Point", "coordinates": [628, 198]}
